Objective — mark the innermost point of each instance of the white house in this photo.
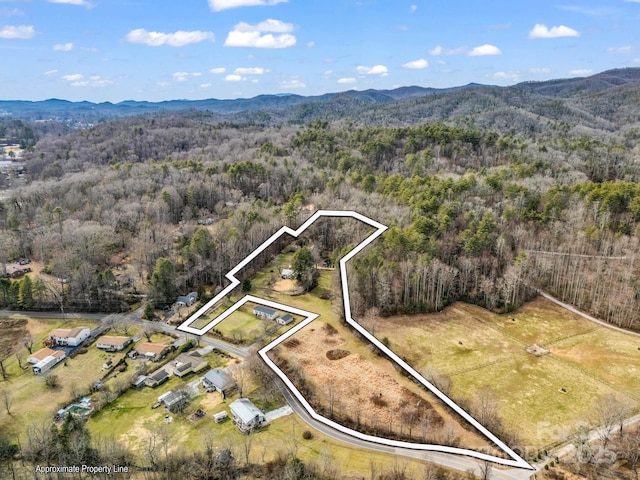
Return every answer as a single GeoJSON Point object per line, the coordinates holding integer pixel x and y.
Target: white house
{"type": "Point", "coordinates": [246, 416]}
{"type": "Point", "coordinates": [49, 362]}
{"type": "Point", "coordinates": [265, 312]}
{"type": "Point", "coordinates": [188, 299]}
{"type": "Point", "coordinates": [71, 337]}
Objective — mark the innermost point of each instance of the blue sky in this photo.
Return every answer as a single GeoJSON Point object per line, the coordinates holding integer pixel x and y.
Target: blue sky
{"type": "Point", "coordinates": [114, 50]}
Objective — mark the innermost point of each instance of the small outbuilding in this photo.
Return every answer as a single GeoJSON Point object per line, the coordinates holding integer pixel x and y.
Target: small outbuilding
{"type": "Point", "coordinates": [48, 362]}
{"type": "Point", "coordinates": [40, 355]}
{"type": "Point", "coordinates": [285, 319]}
{"type": "Point", "coordinates": [287, 273]}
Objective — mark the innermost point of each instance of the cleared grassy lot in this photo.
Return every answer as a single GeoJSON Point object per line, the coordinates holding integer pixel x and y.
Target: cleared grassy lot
{"type": "Point", "coordinates": [477, 349]}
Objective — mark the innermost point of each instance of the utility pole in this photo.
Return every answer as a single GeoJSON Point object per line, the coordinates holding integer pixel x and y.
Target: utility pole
{"type": "Point", "coordinates": [63, 282]}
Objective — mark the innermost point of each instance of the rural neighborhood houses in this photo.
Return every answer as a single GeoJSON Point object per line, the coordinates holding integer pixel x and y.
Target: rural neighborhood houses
{"type": "Point", "coordinates": [113, 343]}
{"type": "Point", "coordinates": [246, 416]}
{"type": "Point", "coordinates": [71, 337]}
{"type": "Point", "coordinates": [41, 354]}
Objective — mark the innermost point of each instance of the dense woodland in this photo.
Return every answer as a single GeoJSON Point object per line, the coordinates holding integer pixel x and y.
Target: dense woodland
{"type": "Point", "coordinates": [118, 210]}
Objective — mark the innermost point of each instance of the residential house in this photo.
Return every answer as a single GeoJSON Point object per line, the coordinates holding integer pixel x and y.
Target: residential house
{"type": "Point", "coordinates": [152, 351]}
{"type": "Point", "coordinates": [246, 416]}
{"type": "Point", "coordinates": [112, 343]}
{"type": "Point", "coordinates": [48, 362]}
{"type": "Point", "coordinates": [265, 312]}
{"type": "Point", "coordinates": [187, 300]}
{"type": "Point", "coordinates": [156, 378]}
{"type": "Point", "coordinates": [186, 363]}
{"type": "Point", "coordinates": [285, 319]}
{"type": "Point", "coordinates": [176, 401]}
{"type": "Point", "coordinates": [41, 354]}
{"type": "Point", "coordinates": [71, 337]}
{"type": "Point", "coordinates": [219, 380]}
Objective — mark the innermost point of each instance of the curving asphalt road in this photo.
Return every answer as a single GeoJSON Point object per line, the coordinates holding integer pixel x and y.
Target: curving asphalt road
{"type": "Point", "coordinates": [456, 462]}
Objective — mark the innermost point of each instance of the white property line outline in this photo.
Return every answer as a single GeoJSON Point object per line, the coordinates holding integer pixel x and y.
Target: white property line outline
{"type": "Point", "coordinates": [515, 461]}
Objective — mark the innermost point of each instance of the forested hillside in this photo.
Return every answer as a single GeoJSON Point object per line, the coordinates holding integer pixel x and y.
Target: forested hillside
{"type": "Point", "coordinates": [490, 193]}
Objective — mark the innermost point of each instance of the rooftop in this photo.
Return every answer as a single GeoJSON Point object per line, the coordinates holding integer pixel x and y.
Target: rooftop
{"type": "Point", "coordinates": [245, 410]}
{"type": "Point", "coordinates": [263, 309]}
{"type": "Point", "coordinates": [66, 332]}
{"type": "Point", "coordinates": [116, 341]}
{"type": "Point", "coordinates": [155, 348]}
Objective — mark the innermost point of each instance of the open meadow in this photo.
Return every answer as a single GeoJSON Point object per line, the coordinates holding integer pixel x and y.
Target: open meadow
{"type": "Point", "coordinates": [578, 362]}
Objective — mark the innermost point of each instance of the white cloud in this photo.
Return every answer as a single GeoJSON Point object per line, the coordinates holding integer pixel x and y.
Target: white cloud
{"type": "Point", "coordinates": [440, 50]}
{"type": "Point", "coordinates": [542, 31]}
{"type": "Point", "coordinates": [235, 78]}
{"type": "Point", "coordinates": [346, 80]}
{"type": "Point", "coordinates": [623, 49]}
{"type": "Point", "coordinates": [20, 31]}
{"type": "Point", "coordinates": [78, 80]}
{"type": "Point", "coordinates": [217, 70]}
{"type": "Point", "coordinates": [250, 71]}
{"type": "Point", "coordinates": [16, 12]}
{"type": "Point", "coordinates": [512, 76]}
{"type": "Point", "coordinates": [205, 85]}
{"type": "Point", "coordinates": [539, 71]}
{"type": "Point", "coordinates": [375, 70]}
{"type": "Point", "coordinates": [291, 84]}
{"type": "Point", "coordinates": [245, 35]}
{"type": "Point", "coordinates": [179, 76]}
{"type": "Point", "coordinates": [50, 73]}
{"type": "Point", "coordinates": [485, 49]}
{"type": "Point", "coordinates": [413, 8]}
{"type": "Point", "coordinates": [268, 25]}
{"type": "Point", "coordinates": [581, 71]}
{"type": "Point", "coordinates": [63, 47]}
{"type": "Point", "coordinates": [328, 73]}
{"type": "Point", "coordinates": [73, 77]}
{"type": "Point", "coordinates": [197, 74]}
{"type": "Point", "coordinates": [416, 64]}
{"type": "Point", "coordinates": [218, 5]}
{"type": "Point", "coordinates": [176, 39]}
{"type": "Point", "coordinates": [636, 61]}
{"type": "Point", "coordinates": [311, 44]}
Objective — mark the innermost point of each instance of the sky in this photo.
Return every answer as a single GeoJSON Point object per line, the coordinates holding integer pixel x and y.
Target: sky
{"type": "Point", "coordinates": [115, 50]}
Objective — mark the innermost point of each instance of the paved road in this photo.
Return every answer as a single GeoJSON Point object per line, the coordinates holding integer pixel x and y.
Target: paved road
{"type": "Point", "coordinates": [573, 309]}
{"type": "Point", "coordinates": [456, 462]}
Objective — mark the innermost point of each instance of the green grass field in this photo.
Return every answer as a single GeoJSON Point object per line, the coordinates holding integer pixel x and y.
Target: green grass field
{"type": "Point", "coordinates": [477, 348]}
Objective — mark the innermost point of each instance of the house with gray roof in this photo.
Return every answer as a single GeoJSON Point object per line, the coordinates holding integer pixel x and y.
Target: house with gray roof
{"type": "Point", "coordinates": [246, 416]}
{"type": "Point", "coordinates": [219, 380]}
{"type": "Point", "coordinates": [265, 312]}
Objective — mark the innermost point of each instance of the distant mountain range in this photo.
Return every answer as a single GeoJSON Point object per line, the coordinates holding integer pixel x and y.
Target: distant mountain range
{"type": "Point", "coordinates": [404, 105]}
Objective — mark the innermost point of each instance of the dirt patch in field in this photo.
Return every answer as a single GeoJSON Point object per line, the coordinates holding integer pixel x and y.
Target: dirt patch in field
{"type": "Point", "coordinates": [366, 393]}
{"type": "Point", "coordinates": [288, 287]}
{"type": "Point", "coordinates": [337, 354]}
